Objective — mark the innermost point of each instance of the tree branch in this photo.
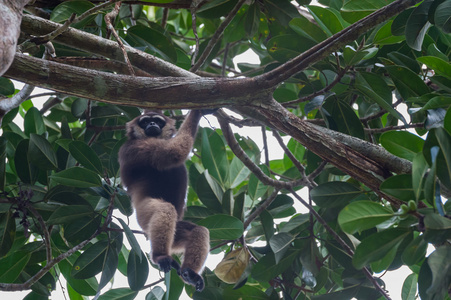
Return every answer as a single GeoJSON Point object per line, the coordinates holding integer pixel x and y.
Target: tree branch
{"type": "Point", "coordinates": [338, 40]}
{"type": "Point", "coordinates": [217, 36]}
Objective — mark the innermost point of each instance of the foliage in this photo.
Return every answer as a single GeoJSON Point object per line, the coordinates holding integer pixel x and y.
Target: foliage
{"type": "Point", "coordinates": [60, 183]}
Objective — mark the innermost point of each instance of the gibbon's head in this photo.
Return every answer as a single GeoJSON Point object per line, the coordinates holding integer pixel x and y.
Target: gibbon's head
{"type": "Point", "coordinates": [151, 125]}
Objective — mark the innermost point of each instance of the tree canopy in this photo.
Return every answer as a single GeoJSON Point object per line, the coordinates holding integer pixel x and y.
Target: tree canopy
{"type": "Point", "coordinates": [331, 78]}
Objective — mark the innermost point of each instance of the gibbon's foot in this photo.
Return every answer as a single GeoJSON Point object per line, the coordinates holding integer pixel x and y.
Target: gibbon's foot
{"type": "Point", "coordinates": [165, 263]}
{"type": "Point", "coordinates": [192, 278]}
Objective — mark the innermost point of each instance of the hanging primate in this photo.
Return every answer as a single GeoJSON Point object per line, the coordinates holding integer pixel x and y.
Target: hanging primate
{"type": "Point", "coordinates": [153, 170]}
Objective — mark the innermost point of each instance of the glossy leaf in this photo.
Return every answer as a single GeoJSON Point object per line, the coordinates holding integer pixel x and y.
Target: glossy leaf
{"type": "Point", "coordinates": [417, 25]}
{"type": "Point", "coordinates": [77, 177]}
{"type": "Point", "coordinates": [41, 154]}
{"type": "Point", "coordinates": [137, 270]}
{"type": "Point", "coordinates": [87, 286]}
{"type": "Point", "coordinates": [341, 117]}
{"type": "Point", "coordinates": [362, 215]}
{"type": "Point", "coordinates": [223, 227]}
{"type": "Point", "coordinates": [402, 143]}
{"type": "Point", "coordinates": [267, 268]}
{"type": "Point", "coordinates": [7, 232]}
{"type": "Point", "coordinates": [132, 240]}
{"type": "Point", "coordinates": [12, 265]}
{"type": "Point", "coordinates": [119, 294]}
{"type": "Point", "coordinates": [334, 194]}
{"type": "Point", "coordinates": [210, 192]}
{"type": "Point", "coordinates": [437, 64]}
{"type": "Point", "coordinates": [257, 188]}
{"type": "Point", "coordinates": [376, 246]}
{"type": "Point", "coordinates": [326, 19]}
{"type": "Point", "coordinates": [33, 122]}
{"type": "Point", "coordinates": [442, 16]}
{"type": "Point", "coordinates": [415, 251]}
{"type": "Point", "coordinates": [214, 157]}
{"type": "Point", "coordinates": [305, 28]}
{"type": "Point", "coordinates": [409, 287]}
{"type": "Point", "coordinates": [399, 186]}
{"type": "Point", "coordinates": [86, 156]}
{"type": "Point", "coordinates": [90, 262]}
{"type": "Point", "coordinates": [375, 88]}
{"type": "Point", "coordinates": [406, 82]}
{"type": "Point", "coordinates": [70, 213]}
{"type": "Point", "coordinates": [25, 170]}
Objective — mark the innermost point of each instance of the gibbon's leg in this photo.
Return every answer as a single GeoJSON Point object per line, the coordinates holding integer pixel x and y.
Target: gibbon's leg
{"type": "Point", "coordinates": [158, 220]}
{"type": "Point", "coordinates": [194, 242]}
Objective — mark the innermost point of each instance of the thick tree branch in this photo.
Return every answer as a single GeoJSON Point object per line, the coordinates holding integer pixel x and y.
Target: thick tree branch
{"type": "Point", "coordinates": [135, 91]}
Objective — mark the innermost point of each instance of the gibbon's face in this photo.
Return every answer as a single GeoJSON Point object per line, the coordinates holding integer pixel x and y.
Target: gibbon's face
{"type": "Point", "coordinates": [151, 125]}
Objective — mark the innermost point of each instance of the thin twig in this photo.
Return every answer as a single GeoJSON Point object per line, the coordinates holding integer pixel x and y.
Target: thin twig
{"type": "Point", "coordinates": [390, 128]}
{"type": "Point", "coordinates": [290, 155]}
{"type": "Point", "coordinates": [216, 36]}
{"type": "Point", "coordinates": [38, 40]}
{"type": "Point", "coordinates": [48, 246]}
{"type": "Point", "coordinates": [264, 205]}
{"type": "Point", "coordinates": [193, 9]}
{"type": "Point", "coordinates": [164, 19]}
{"type": "Point", "coordinates": [265, 145]}
{"type": "Point", "coordinates": [108, 20]}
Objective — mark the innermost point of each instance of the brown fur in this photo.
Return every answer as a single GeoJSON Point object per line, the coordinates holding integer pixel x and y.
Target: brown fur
{"type": "Point", "coordinates": [153, 170]}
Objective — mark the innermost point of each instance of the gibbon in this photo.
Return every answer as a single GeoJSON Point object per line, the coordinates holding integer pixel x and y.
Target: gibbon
{"type": "Point", "coordinates": [153, 170]}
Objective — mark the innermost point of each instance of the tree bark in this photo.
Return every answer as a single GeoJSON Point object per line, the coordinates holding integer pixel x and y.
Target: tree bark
{"type": "Point", "coordinates": [10, 19]}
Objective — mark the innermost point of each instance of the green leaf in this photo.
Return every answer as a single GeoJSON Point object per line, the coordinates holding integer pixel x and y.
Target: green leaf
{"type": "Point", "coordinates": [362, 215]}
{"type": "Point", "coordinates": [444, 169]}
{"type": "Point", "coordinates": [266, 268]}
{"type": "Point", "coordinates": [131, 239]}
{"type": "Point", "coordinates": [174, 285]}
{"type": "Point", "coordinates": [64, 10]}
{"type": "Point", "coordinates": [334, 194]}
{"type": "Point", "coordinates": [305, 28]}
{"type": "Point", "coordinates": [81, 229]}
{"type": "Point", "coordinates": [215, 9]}
{"type": "Point", "coordinates": [440, 66]}
{"type": "Point", "coordinates": [6, 86]}
{"type": "Point", "coordinates": [399, 186]}
{"type": "Point", "coordinates": [238, 172]}
{"type": "Point", "coordinates": [442, 16]}
{"type": "Point", "coordinates": [378, 245]}
{"type": "Point", "coordinates": [417, 25]}
{"type": "Point", "coordinates": [375, 88]}
{"type": "Point", "coordinates": [86, 156]}
{"type": "Point", "coordinates": [438, 228]}
{"type": "Point", "coordinates": [33, 122]}
{"type": "Point", "coordinates": [440, 266]}
{"type": "Point", "coordinates": [327, 19]}
{"type": "Point", "coordinates": [41, 154]}
{"type": "Point", "coordinates": [402, 143]}
{"type": "Point", "coordinates": [137, 270]}
{"type": "Point", "coordinates": [214, 157]}
{"type": "Point", "coordinates": [384, 35]}
{"type": "Point", "coordinates": [287, 46]}
{"type": "Point", "coordinates": [280, 243]}
{"type": "Point", "coordinates": [409, 287]}
{"type": "Point", "coordinates": [407, 82]}
{"type": "Point", "coordinates": [223, 227]}
{"type": "Point", "coordinates": [354, 10]}
{"type": "Point", "coordinates": [119, 293]}
{"type": "Point", "coordinates": [209, 192]}
{"type": "Point", "coordinates": [341, 117]}
{"type": "Point", "coordinates": [3, 163]}
{"type": "Point", "coordinates": [25, 170]}
{"type": "Point", "coordinates": [87, 286]}
{"type": "Point", "coordinates": [77, 177]}
{"type": "Point", "coordinates": [12, 265]}
{"type": "Point", "coordinates": [156, 43]}
{"type": "Point", "coordinates": [91, 262]}
{"type": "Point", "coordinates": [7, 232]}
{"type": "Point", "coordinates": [256, 188]}
{"type": "Point", "coordinates": [70, 213]}
{"type": "Point", "coordinates": [415, 251]}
